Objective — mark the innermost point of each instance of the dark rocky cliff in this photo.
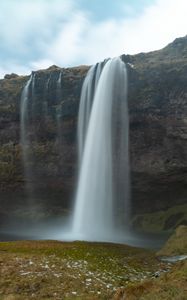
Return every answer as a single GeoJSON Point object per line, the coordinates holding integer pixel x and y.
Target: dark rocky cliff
{"type": "Point", "coordinates": [158, 132]}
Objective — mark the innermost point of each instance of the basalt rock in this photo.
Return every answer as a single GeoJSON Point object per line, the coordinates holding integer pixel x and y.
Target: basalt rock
{"type": "Point", "coordinates": [158, 131]}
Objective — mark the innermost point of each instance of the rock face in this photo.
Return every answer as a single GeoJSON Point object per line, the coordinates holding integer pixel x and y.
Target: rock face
{"type": "Point", "coordinates": [158, 135]}
{"type": "Point", "coordinates": [53, 163]}
{"type": "Point", "coordinates": [158, 132]}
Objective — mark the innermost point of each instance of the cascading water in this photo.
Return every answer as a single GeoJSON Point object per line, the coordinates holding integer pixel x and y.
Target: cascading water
{"type": "Point", "coordinates": [87, 95]}
{"type": "Point", "coordinates": [25, 140]}
{"type": "Point", "coordinates": [45, 103]}
{"type": "Point", "coordinates": [103, 140]}
{"type": "Point", "coordinates": [58, 111]}
{"type": "Point", "coordinates": [37, 113]}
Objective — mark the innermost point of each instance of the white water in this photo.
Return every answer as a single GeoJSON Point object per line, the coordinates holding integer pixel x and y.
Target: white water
{"type": "Point", "coordinates": [25, 141]}
{"type": "Point", "coordinates": [58, 111]}
{"type": "Point", "coordinates": [24, 111]}
{"type": "Point", "coordinates": [101, 192]}
{"type": "Point", "coordinates": [31, 114]}
{"type": "Point", "coordinates": [45, 103]}
{"type": "Point", "coordinates": [87, 95]}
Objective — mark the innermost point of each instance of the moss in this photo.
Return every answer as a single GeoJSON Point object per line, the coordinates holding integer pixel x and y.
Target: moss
{"type": "Point", "coordinates": [176, 244]}
{"type": "Point", "coordinates": [159, 221]}
{"type": "Point", "coordinates": [10, 165]}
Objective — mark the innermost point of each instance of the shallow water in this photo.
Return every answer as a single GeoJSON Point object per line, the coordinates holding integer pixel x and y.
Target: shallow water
{"type": "Point", "coordinates": [173, 259]}
{"type": "Point", "coordinates": [54, 232]}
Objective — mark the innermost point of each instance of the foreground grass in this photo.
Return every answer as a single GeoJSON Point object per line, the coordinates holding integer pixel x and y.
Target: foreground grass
{"type": "Point", "coordinates": [171, 285]}
{"type": "Point", "coordinates": [79, 270]}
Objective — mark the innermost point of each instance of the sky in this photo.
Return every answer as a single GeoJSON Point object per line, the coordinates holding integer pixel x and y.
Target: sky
{"type": "Point", "coordinates": [35, 34]}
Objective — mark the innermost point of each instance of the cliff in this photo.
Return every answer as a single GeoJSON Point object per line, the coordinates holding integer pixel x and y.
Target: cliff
{"type": "Point", "coordinates": [157, 100]}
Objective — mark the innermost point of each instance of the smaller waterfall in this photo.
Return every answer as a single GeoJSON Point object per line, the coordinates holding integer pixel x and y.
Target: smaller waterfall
{"type": "Point", "coordinates": [103, 140]}
{"type": "Point", "coordinates": [45, 103]}
{"type": "Point", "coordinates": [40, 112]}
{"type": "Point", "coordinates": [33, 96]}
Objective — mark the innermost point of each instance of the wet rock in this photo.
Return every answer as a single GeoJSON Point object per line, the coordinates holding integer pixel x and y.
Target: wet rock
{"type": "Point", "coordinates": [173, 259]}
{"type": "Point", "coordinates": [172, 220]}
{"type": "Point", "coordinates": [157, 274]}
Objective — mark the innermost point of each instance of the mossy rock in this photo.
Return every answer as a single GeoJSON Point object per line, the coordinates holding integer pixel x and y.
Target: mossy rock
{"type": "Point", "coordinates": [177, 243]}
{"type": "Point", "coordinates": [161, 221]}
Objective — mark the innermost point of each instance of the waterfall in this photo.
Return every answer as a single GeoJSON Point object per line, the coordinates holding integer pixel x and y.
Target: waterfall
{"type": "Point", "coordinates": [37, 111]}
{"type": "Point", "coordinates": [25, 139]}
{"type": "Point", "coordinates": [87, 95]}
{"type": "Point", "coordinates": [103, 184]}
{"type": "Point", "coordinates": [102, 198]}
{"type": "Point", "coordinates": [59, 110]}
{"type": "Point", "coordinates": [45, 103]}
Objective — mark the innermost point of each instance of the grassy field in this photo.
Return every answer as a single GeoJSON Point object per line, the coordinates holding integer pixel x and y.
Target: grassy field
{"type": "Point", "coordinates": [57, 270]}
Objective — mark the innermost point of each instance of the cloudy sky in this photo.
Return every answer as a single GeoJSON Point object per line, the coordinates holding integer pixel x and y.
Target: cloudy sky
{"type": "Point", "coordinates": [35, 34]}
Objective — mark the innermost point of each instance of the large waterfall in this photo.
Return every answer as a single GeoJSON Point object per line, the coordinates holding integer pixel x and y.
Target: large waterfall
{"type": "Point", "coordinates": [25, 139]}
{"type": "Point", "coordinates": [101, 208]}
{"type": "Point", "coordinates": [102, 201]}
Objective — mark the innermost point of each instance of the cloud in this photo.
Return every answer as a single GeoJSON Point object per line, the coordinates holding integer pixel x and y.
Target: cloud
{"type": "Point", "coordinates": [27, 28]}
{"type": "Point", "coordinates": [160, 24]}
{"type": "Point", "coordinates": [22, 19]}
{"type": "Point", "coordinates": [35, 34]}
{"type": "Point", "coordinates": [14, 68]}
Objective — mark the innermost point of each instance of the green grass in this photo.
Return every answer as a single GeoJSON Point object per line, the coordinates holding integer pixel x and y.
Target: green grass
{"type": "Point", "coordinates": [79, 270]}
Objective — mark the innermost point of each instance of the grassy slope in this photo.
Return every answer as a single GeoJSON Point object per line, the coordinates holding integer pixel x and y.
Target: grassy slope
{"type": "Point", "coordinates": [171, 285]}
{"type": "Point", "coordinates": [57, 270]}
